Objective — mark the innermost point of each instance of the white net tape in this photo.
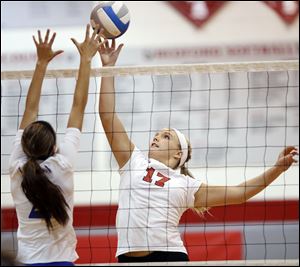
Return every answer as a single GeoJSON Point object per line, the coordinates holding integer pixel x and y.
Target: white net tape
{"type": "Point", "coordinates": [164, 69]}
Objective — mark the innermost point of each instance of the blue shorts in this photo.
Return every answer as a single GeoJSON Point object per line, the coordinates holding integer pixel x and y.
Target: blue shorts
{"type": "Point", "coordinates": [57, 263]}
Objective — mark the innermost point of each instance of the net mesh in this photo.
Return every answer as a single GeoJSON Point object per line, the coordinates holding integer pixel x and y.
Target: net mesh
{"type": "Point", "coordinates": [238, 117]}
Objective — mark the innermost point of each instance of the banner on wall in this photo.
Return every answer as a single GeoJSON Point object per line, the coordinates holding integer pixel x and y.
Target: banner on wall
{"type": "Point", "coordinates": [197, 12]}
{"type": "Point", "coordinates": [287, 10]}
{"type": "Point", "coordinates": [21, 60]}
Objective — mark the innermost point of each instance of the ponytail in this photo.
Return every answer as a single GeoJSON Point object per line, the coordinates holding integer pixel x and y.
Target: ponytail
{"type": "Point", "coordinates": [38, 142]}
{"type": "Point", "coordinates": [45, 196]}
{"type": "Point", "coordinates": [185, 171]}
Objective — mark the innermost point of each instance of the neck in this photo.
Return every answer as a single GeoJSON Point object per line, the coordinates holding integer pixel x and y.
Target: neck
{"type": "Point", "coordinates": [171, 163]}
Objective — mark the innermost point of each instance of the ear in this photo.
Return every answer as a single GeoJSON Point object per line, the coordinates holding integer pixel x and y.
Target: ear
{"type": "Point", "coordinates": [178, 155]}
{"type": "Point", "coordinates": [55, 149]}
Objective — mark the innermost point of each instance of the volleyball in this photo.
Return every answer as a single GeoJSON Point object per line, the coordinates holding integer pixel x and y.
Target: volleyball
{"type": "Point", "coordinates": [112, 16]}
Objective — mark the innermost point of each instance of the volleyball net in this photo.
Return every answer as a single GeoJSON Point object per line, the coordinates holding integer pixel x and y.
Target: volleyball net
{"type": "Point", "coordinates": [237, 116]}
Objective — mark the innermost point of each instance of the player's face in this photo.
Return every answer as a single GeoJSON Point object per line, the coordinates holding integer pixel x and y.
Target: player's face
{"type": "Point", "coordinates": [164, 145]}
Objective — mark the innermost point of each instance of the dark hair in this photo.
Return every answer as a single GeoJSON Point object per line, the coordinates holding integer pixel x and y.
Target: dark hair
{"type": "Point", "coordinates": [38, 143]}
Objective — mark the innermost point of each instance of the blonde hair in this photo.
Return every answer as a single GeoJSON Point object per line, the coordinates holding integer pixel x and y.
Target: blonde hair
{"type": "Point", "coordinates": [185, 171]}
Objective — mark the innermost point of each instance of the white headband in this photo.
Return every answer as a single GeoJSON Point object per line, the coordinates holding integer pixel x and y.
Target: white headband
{"type": "Point", "coordinates": [184, 146]}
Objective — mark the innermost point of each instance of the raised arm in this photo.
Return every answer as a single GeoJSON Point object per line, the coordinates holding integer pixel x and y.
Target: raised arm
{"type": "Point", "coordinates": [87, 49]}
{"type": "Point", "coordinates": [120, 144]}
{"type": "Point", "coordinates": [44, 56]}
{"type": "Point", "coordinates": [210, 196]}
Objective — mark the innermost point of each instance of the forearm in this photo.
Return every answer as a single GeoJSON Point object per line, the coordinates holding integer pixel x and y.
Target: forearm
{"type": "Point", "coordinates": [34, 95]}
{"type": "Point", "coordinates": [34, 92]}
{"type": "Point", "coordinates": [82, 85]}
{"type": "Point", "coordinates": [211, 196]}
{"type": "Point", "coordinates": [107, 98]}
{"type": "Point", "coordinates": [80, 95]}
{"type": "Point", "coordinates": [117, 137]}
{"type": "Point", "coordinates": [253, 186]}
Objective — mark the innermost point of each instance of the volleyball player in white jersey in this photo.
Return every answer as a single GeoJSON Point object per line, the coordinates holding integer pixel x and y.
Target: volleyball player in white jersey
{"type": "Point", "coordinates": [153, 196]}
{"type": "Point", "coordinates": [42, 173]}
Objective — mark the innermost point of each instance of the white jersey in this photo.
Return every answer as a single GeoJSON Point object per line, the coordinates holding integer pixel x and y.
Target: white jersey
{"type": "Point", "coordinates": [152, 199]}
{"type": "Point", "coordinates": [35, 243]}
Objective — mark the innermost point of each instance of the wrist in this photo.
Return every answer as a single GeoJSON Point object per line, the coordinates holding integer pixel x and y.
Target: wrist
{"type": "Point", "coordinates": [85, 60]}
{"type": "Point", "coordinates": [108, 65]}
{"type": "Point", "coordinates": [278, 169]}
{"type": "Point", "coordinates": [42, 63]}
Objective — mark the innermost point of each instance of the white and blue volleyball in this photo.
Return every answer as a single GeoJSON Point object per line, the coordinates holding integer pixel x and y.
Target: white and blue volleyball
{"type": "Point", "coordinates": [112, 16]}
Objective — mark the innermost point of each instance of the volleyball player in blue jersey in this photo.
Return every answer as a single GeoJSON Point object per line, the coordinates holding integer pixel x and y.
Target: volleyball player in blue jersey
{"type": "Point", "coordinates": [42, 173]}
{"type": "Point", "coordinates": [153, 196]}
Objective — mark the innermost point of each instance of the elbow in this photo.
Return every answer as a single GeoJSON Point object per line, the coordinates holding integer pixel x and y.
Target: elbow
{"type": "Point", "coordinates": [239, 200]}
{"type": "Point", "coordinates": [32, 110]}
{"type": "Point", "coordinates": [79, 106]}
{"type": "Point", "coordinates": [237, 195]}
{"type": "Point", "coordinates": [103, 115]}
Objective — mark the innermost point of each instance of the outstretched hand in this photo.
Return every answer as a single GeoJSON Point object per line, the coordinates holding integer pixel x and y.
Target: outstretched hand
{"type": "Point", "coordinates": [286, 158]}
{"type": "Point", "coordinates": [44, 48]}
{"type": "Point", "coordinates": [108, 53]}
{"type": "Point", "coordinates": [89, 47]}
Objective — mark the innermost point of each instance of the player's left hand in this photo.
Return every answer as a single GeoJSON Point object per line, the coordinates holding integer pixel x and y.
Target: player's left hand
{"type": "Point", "coordinates": [108, 53]}
{"type": "Point", "coordinates": [286, 158]}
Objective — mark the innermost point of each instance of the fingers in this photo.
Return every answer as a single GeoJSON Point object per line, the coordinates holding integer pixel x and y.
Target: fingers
{"type": "Point", "coordinates": [47, 36]}
{"type": "Point", "coordinates": [100, 35]}
{"type": "Point", "coordinates": [57, 53]}
{"type": "Point", "coordinates": [40, 38]}
{"type": "Point", "coordinates": [75, 42]}
{"type": "Point", "coordinates": [52, 39]}
{"type": "Point", "coordinates": [113, 44]}
{"type": "Point", "coordinates": [101, 48]}
{"type": "Point", "coordinates": [106, 45]}
{"type": "Point", "coordinates": [95, 32]}
{"type": "Point", "coordinates": [289, 160]}
{"type": "Point", "coordinates": [119, 48]}
{"type": "Point", "coordinates": [287, 157]}
{"type": "Point", "coordinates": [294, 154]}
{"type": "Point", "coordinates": [291, 155]}
{"type": "Point", "coordinates": [87, 32]}
{"type": "Point", "coordinates": [99, 38]}
{"type": "Point", "coordinates": [36, 43]}
{"type": "Point", "coordinates": [288, 149]}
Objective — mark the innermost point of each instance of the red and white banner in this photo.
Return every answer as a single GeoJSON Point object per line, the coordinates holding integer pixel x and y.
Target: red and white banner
{"type": "Point", "coordinates": [198, 12]}
{"type": "Point", "coordinates": [287, 10]}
